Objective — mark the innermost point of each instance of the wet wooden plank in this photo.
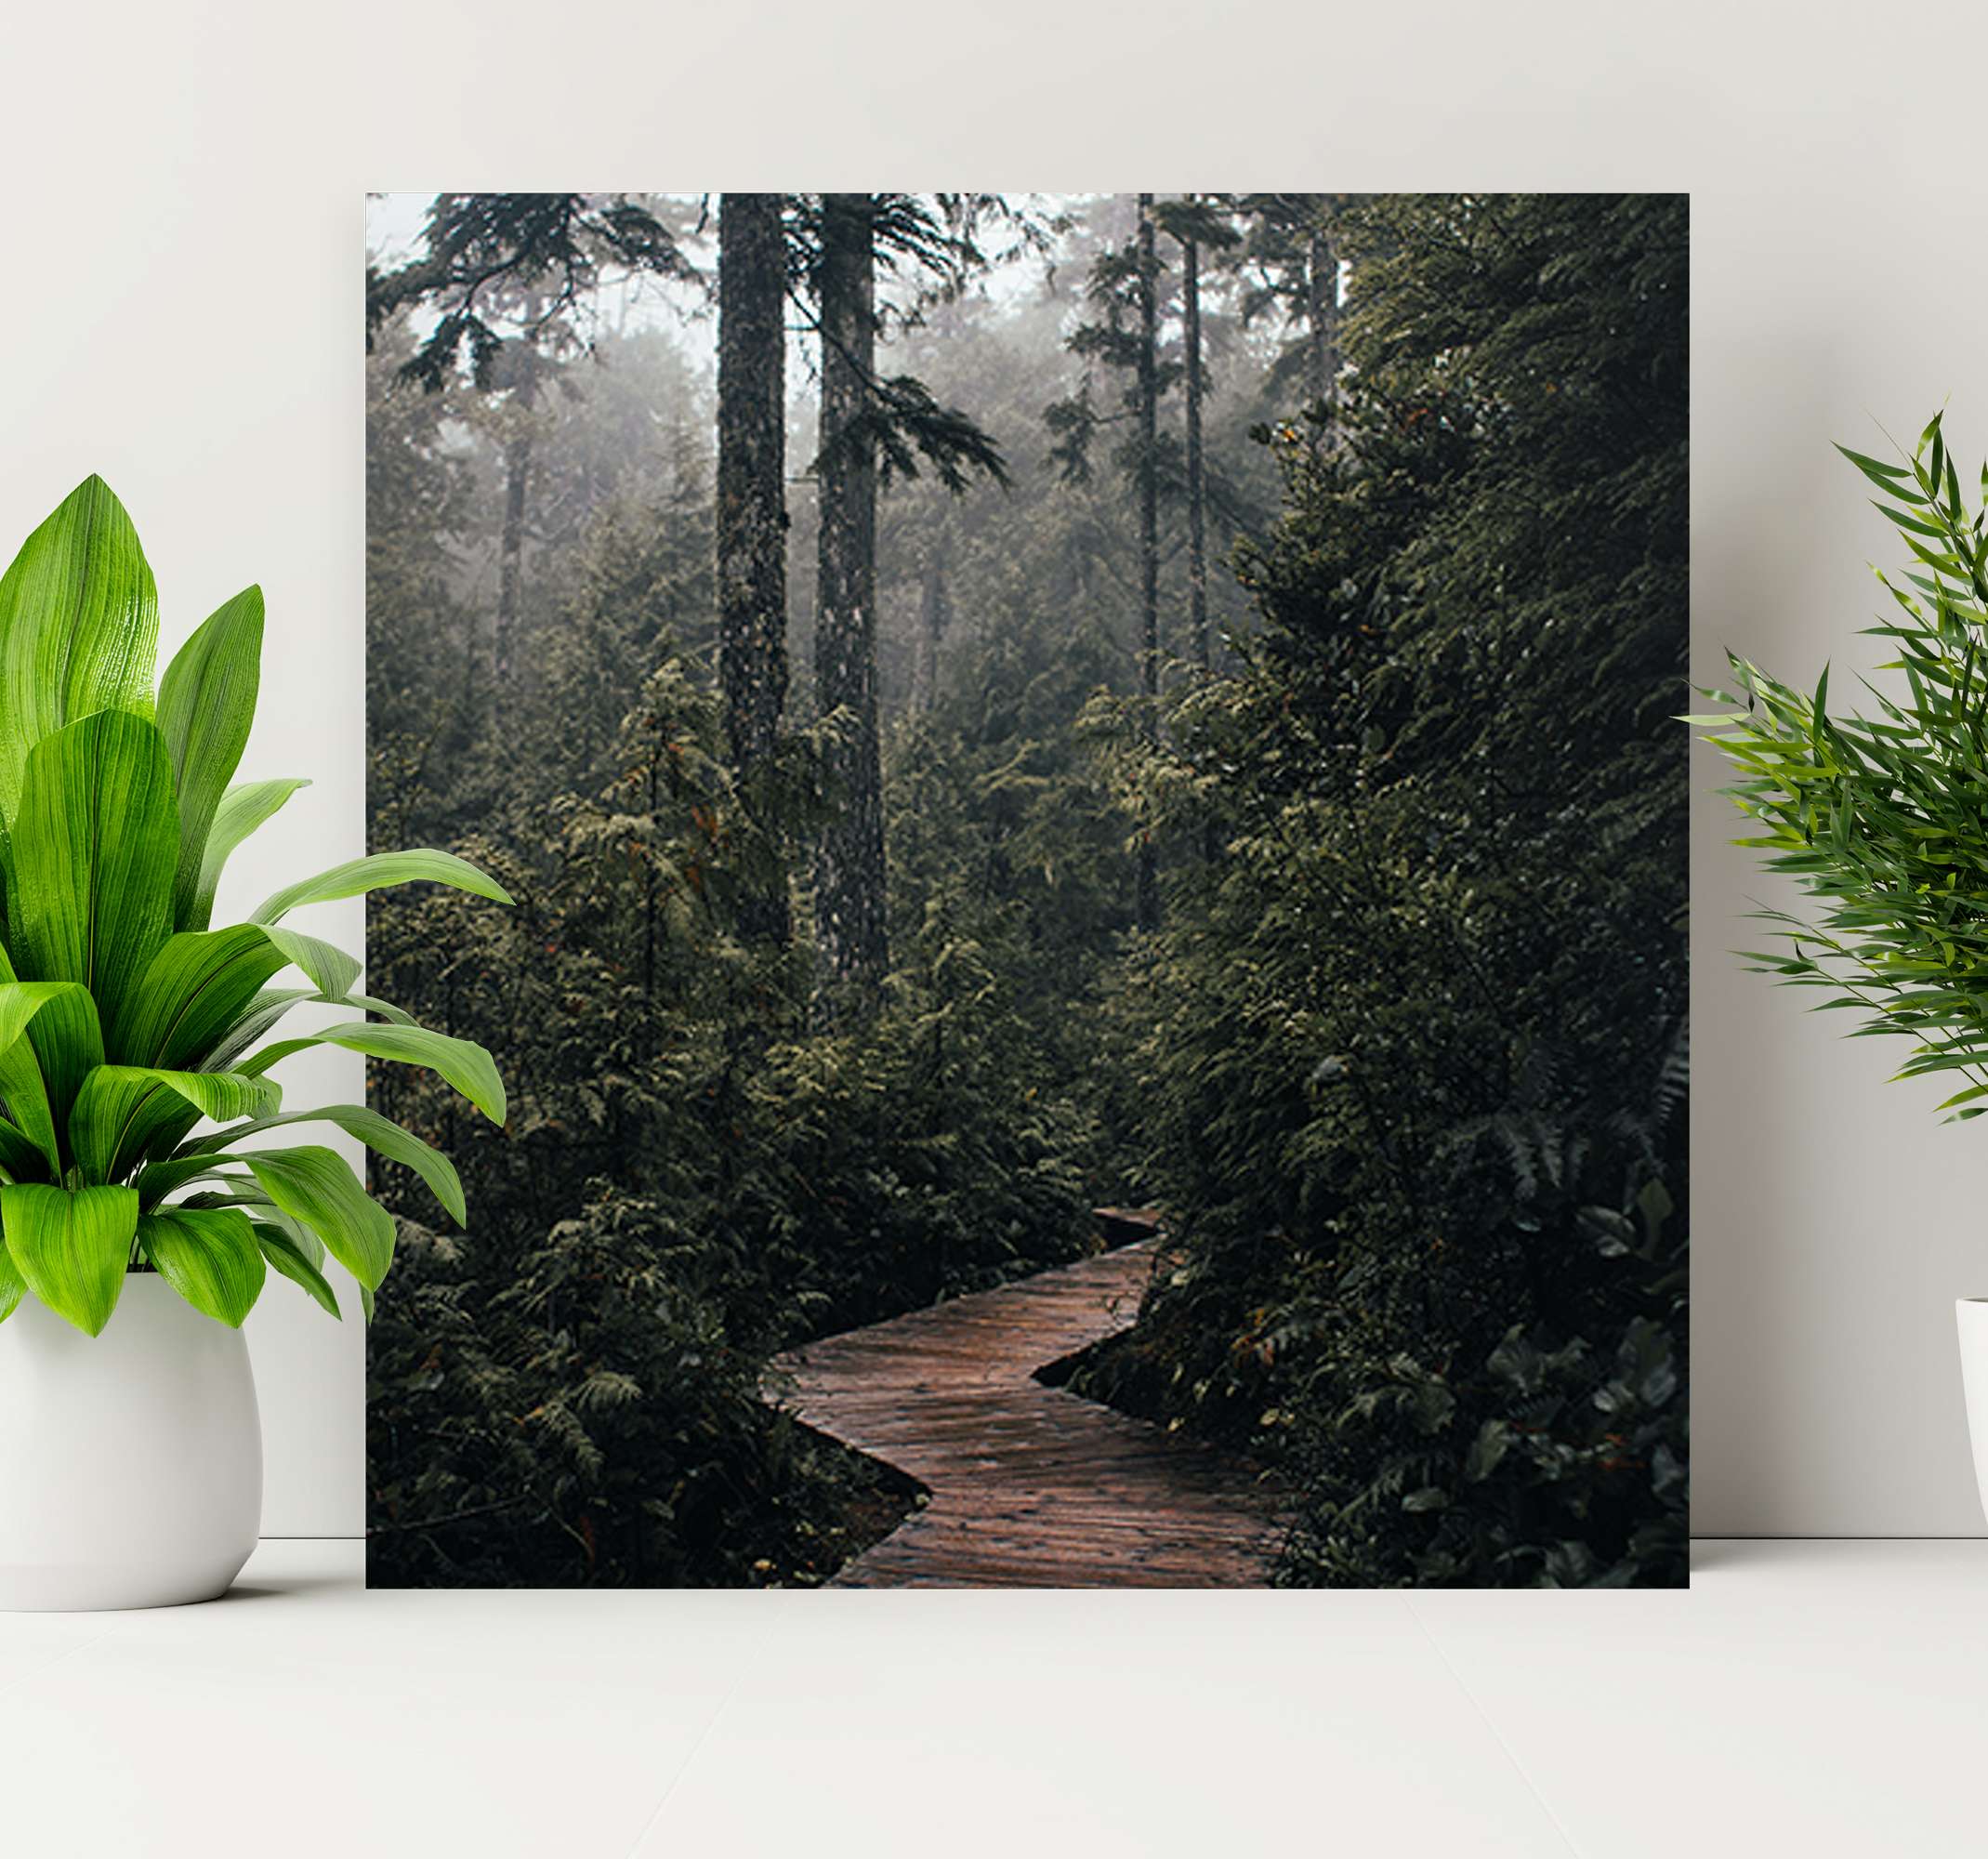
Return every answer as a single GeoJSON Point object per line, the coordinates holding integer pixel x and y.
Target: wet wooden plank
{"type": "Point", "coordinates": [1031, 1486]}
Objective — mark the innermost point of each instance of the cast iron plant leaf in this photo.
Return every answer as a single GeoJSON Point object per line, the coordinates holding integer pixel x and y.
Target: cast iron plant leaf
{"type": "Point", "coordinates": [124, 1018]}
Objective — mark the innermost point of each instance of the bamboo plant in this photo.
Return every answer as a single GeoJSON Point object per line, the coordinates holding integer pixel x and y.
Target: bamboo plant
{"type": "Point", "coordinates": [126, 1018]}
{"type": "Point", "coordinates": [1882, 819]}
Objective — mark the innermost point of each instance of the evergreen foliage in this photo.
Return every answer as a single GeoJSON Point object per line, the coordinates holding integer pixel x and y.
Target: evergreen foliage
{"type": "Point", "coordinates": [1416, 1060]}
{"type": "Point", "coordinates": [1404, 1066]}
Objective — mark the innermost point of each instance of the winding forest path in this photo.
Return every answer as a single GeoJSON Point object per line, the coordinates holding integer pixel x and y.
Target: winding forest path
{"type": "Point", "coordinates": [1031, 1486]}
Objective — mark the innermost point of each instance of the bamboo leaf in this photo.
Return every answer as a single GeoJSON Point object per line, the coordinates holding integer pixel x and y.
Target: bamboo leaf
{"type": "Point", "coordinates": [1905, 521]}
{"type": "Point", "coordinates": [1874, 467]}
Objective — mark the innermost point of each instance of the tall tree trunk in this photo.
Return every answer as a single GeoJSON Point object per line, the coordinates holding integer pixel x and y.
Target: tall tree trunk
{"type": "Point", "coordinates": [934, 614]}
{"type": "Point", "coordinates": [518, 371]}
{"type": "Point", "coordinates": [1197, 541]}
{"type": "Point", "coordinates": [849, 919]}
{"type": "Point", "coordinates": [1148, 532]}
{"type": "Point", "coordinates": [1197, 486]}
{"type": "Point", "coordinates": [752, 512]}
{"type": "Point", "coordinates": [1321, 306]}
{"type": "Point", "coordinates": [510, 552]}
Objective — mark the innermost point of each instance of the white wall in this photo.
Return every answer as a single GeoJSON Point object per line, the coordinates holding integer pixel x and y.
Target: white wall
{"type": "Point", "coordinates": [206, 366]}
{"type": "Point", "coordinates": [181, 313]}
{"type": "Point", "coordinates": [1838, 1218]}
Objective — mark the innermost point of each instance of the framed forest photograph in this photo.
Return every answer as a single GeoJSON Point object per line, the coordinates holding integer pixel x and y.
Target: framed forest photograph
{"type": "Point", "coordinates": [1085, 925]}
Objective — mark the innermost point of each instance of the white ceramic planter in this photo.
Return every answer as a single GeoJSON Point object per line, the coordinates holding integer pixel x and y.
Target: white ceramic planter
{"type": "Point", "coordinates": [1972, 1313]}
{"type": "Point", "coordinates": [131, 1462]}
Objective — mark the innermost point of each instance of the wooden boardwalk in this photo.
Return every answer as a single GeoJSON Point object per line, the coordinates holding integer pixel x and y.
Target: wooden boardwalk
{"type": "Point", "coordinates": [1030, 1486]}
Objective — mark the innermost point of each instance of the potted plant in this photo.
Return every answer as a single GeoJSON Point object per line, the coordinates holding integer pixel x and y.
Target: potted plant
{"type": "Point", "coordinates": [133, 1243]}
{"type": "Point", "coordinates": [1880, 820]}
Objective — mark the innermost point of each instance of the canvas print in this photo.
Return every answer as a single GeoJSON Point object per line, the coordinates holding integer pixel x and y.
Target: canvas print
{"type": "Point", "coordinates": [1093, 990]}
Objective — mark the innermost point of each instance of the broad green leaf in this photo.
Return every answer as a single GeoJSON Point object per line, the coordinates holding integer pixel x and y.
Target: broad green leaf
{"type": "Point", "coordinates": [371, 1004]}
{"type": "Point", "coordinates": [261, 1013]}
{"type": "Point", "coordinates": [121, 1109]}
{"type": "Point", "coordinates": [330, 969]}
{"type": "Point", "coordinates": [41, 1072]}
{"type": "Point", "coordinates": [283, 1252]}
{"type": "Point", "coordinates": [318, 1187]}
{"type": "Point", "coordinates": [358, 875]}
{"type": "Point", "coordinates": [193, 993]}
{"type": "Point", "coordinates": [242, 809]}
{"type": "Point", "coordinates": [79, 628]}
{"type": "Point", "coordinates": [20, 1002]}
{"type": "Point", "coordinates": [157, 1180]}
{"type": "Point", "coordinates": [462, 1064]}
{"type": "Point", "coordinates": [300, 1235]}
{"type": "Point", "coordinates": [378, 1133]}
{"type": "Point", "coordinates": [95, 841]}
{"type": "Point", "coordinates": [236, 1191]}
{"type": "Point", "coordinates": [71, 1248]}
{"type": "Point", "coordinates": [13, 1286]}
{"type": "Point", "coordinates": [21, 1160]}
{"type": "Point", "coordinates": [209, 1256]}
{"type": "Point", "coordinates": [206, 705]}
{"type": "Point", "coordinates": [267, 1007]}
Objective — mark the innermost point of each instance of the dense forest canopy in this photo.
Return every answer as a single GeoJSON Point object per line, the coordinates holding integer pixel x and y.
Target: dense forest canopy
{"type": "Point", "coordinates": [992, 706]}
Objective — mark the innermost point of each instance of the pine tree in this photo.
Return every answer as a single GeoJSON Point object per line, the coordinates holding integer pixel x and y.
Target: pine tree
{"type": "Point", "coordinates": [1197, 521]}
{"type": "Point", "coordinates": [1321, 316]}
{"type": "Point", "coordinates": [935, 612]}
{"type": "Point", "coordinates": [1454, 803]}
{"type": "Point", "coordinates": [752, 512]}
{"type": "Point", "coordinates": [875, 427]}
{"type": "Point", "coordinates": [1198, 225]}
{"type": "Point", "coordinates": [1148, 392]}
{"type": "Point", "coordinates": [520, 369]}
{"type": "Point", "coordinates": [849, 871]}
{"type": "Point", "coordinates": [1292, 254]}
{"type": "Point", "coordinates": [1124, 286]}
{"type": "Point", "coordinates": [506, 274]}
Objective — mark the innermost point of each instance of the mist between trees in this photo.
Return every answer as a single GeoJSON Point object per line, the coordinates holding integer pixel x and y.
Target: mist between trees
{"type": "Point", "coordinates": [997, 705]}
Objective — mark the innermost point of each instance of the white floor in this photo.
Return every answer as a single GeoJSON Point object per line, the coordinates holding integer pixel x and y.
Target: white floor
{"type": "Point", "coordinates": [1818, 1699]}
